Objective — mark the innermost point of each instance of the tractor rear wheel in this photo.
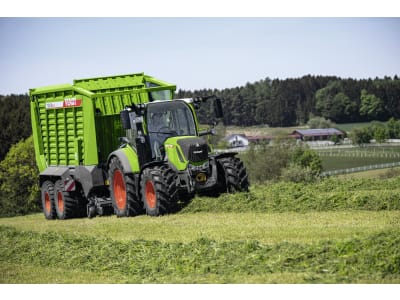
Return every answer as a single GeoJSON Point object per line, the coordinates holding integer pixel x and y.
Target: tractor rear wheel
{"type": "Point", "coordinates": [234, 175]}
{"type": "Point", "coordinates": [68, 204]}
{"type": "Point", "coordinates": [47, 196]}
{"type": "Point", "coordinates": [123, 191]}
{"type": "Point", "coordinates": [158, 190]}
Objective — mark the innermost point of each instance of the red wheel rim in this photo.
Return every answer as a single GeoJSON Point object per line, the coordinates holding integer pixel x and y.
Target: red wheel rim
{"type": "Point", "coordinates": [47, 203]}
{"type": "Point", "coordinates": [119, 189]}
{"type": "Point", "coordinates": [60, 201]}
{"type": "Point", "coordinates": [150, 194]}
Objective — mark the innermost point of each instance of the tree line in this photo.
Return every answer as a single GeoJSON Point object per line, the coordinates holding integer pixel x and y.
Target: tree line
{"type": "Point", "coordinates": [276, 103]}
{"type": "Point", "coordinates": [15, 121]}
{"type": "Point", "coordinates": [291, 102]}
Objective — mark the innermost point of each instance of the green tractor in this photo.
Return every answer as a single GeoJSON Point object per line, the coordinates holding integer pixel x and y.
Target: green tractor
{"type": "Point", "coordinates": [161, 160]}
{"type": "Point", "coordinates": [174, 160]}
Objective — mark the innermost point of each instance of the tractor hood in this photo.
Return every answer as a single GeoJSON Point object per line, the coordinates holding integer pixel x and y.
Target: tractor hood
{"type": "Point", "coordinates": [183, 150]}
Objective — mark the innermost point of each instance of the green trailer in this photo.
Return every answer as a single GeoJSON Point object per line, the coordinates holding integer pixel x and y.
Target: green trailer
{"type": "Point", "coordinates": [122, 144]}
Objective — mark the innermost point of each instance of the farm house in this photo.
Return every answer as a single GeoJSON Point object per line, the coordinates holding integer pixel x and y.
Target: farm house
{"type": "Point", "coordinates": [241, 140]}
{"type": "Point", "coordinates": [237, 140]}
{"type": "Point", "coordinates": [317, 134]}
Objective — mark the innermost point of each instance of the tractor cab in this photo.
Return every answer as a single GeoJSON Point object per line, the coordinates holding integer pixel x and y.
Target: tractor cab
{"type": "Point", "coordinates": [166, 119]}
{"type": "Point", "coordinates": [154, 126]}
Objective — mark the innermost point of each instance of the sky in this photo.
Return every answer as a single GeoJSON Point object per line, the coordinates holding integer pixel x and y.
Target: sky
{"type": "Point", "coordinates": [194, 53]}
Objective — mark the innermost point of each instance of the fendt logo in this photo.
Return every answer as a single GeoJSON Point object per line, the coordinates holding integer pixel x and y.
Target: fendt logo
{"type": "Point", "coordinates": [68, 102]}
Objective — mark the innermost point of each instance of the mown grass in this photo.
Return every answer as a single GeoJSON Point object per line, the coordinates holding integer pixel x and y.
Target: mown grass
{"type": "Point", "coordinates": [375, 257]}
{"type": "Point", "coordinates": [332, 231]}
{"type": "Point", "coordinates": [263, 227]}
{"type": "Point", "coordinates": [326, 195]}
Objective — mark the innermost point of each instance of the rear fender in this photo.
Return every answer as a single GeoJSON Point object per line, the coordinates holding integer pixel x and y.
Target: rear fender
{"type": "Point", "coordinates": [65, 174]}
{"type": "Point", "coordinates": [128, 158]}
{"type": "Point", "coordinates": [53, 173]}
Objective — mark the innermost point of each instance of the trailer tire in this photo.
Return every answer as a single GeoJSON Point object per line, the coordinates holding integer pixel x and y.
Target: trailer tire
{"type": "Point", "coordinates": [123, 191]}
{"type": "Point", "coordinates": [158, 190]}
{"type": "Point", "coordinates": [235, 177]}
{"type": "Point", "coordinates": [68, 204]}
{"type": "Point", "coordinates": [47, 197]}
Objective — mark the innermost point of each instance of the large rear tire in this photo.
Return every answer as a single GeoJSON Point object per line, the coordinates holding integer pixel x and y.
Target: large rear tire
{"type": "Point", "coordinates": [47, 196]}
{"type": "Point", "coordinates": [68, 204]}
{"type": "Point", "coordinates": [123, 191]}
{"type": "Point", "coordinates": [158, 190]}
{"type": "Point", "coordinates": [233, 177]}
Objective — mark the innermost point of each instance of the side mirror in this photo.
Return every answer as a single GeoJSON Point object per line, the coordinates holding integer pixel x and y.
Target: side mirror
{"type": "Point", "coordinates": [126, 123]}
{"type": "Point", "coordinates": [218, 108]}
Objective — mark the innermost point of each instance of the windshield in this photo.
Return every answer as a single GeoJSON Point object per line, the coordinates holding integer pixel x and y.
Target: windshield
{"type": "Point", "coordinates": [170, 117]}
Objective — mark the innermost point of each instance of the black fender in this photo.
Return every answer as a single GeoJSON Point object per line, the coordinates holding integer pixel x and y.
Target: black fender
{"type": "Point", "coordinates": [225, 154]}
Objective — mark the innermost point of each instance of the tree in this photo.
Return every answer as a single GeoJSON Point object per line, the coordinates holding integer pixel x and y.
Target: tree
{"type": "Point", "coordinates": [266, 162]}
{"type": "Point", "coordinates": [296, 173]}
{"type": "Point", "coordinates": [15, 121]}
{"type": "Point", "coordinates": [360, 136]}
{"type": "Point", "coordinates": [371, 106]}
{"type": "Point", "coordinates": [393, 126]}
{"type": "Point", "coordinates": [19, 191]}
{"type": "Point", "coordinates": [381, 134]}
{"type": "Point", "coordinates": [306, 158]}
{"type": "Point", "coordinates": [319, 122]}
{"type": "Point", "coordinates": [332, 103]}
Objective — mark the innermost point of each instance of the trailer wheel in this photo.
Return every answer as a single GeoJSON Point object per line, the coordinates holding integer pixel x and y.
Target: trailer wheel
{"type": "Point", "coordinates": [158, 190]}
{"type": "Point", "coordinates": [235, 178]}
{"type": "Point", "coordinates": [47, 196]}
{"type": "Point", "coordinates": [123, 191]}
{"type": "Point", "coordinates": [68, 204]}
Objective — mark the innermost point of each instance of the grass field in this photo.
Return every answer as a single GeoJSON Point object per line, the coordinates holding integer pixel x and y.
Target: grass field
{"type": "Point", "coordinates": [371, 174]}
{"type": "Point", "coordinates": [350, 126]}
{"type": "Point", "coordinates": [335, 231]}
{"type": "Point", "coordinates": [339, 163]}
{"type": "Point", "coordinates": [266, 228]}
{"type": "Point", "coordinates": [190, 248]}
{"type": "Point", "coordinates": [345, 158]}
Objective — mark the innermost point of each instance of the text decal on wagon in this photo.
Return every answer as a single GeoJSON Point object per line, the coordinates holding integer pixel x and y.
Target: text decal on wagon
{"type": "Point", "coordinates": [69, 102]}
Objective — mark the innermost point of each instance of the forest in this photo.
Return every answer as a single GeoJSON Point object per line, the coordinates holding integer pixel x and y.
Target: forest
{"type": "Point", "coordinates": [15, 121]}
{"type": "Point", "coordinates": [291, 102]}
{"type": "Point", "coordinates": [276, 103]}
